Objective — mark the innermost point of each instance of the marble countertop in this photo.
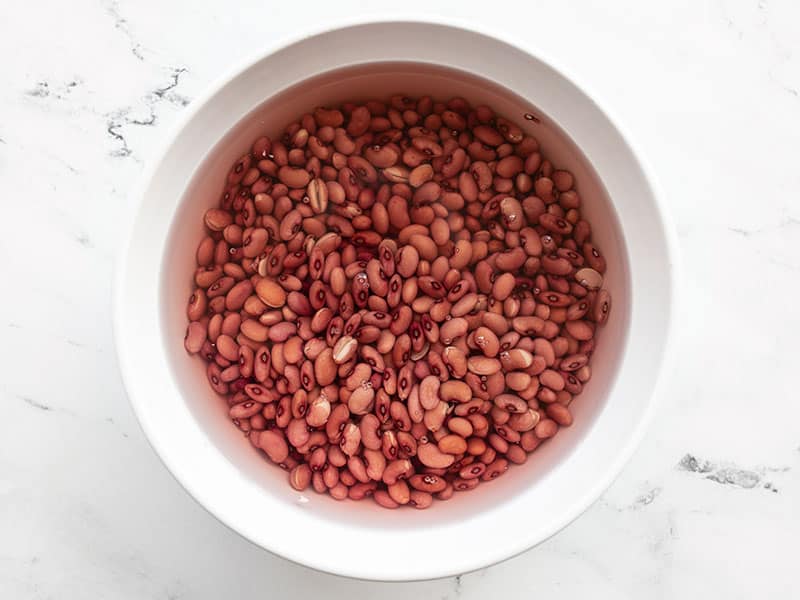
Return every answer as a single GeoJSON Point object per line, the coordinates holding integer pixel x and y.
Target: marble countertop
{"type": "Point", "coordinates": [707, 508]}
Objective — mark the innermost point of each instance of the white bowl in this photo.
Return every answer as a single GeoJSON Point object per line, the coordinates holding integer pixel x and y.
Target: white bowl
{"type": "Point", "coordinates": [187, 423]}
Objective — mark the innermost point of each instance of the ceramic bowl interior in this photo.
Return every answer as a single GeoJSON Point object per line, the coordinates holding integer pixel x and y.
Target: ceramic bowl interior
{"type": "Point", "coordinates": [187, 423]}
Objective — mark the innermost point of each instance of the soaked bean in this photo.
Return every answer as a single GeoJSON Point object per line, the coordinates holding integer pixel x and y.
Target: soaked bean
{"type": "Point", "coordinates": [431, 456]}
{"type": "Point", "coordinates": [559, 413]}
{"type": "Point", "coordinates": [273, 443]}
{"type": "Point", "coordinates": [195, 337]}
{"type": "Point", "coordinates": [601, 307]}
{"type": "Point", "coordinates": [483, 365]}
{"type": "Point", "coordinates": [452, 444]}
{"type": "Point", "coordinates": [546, 428]}
{"type": "Point", "coordinates": [397, 286]}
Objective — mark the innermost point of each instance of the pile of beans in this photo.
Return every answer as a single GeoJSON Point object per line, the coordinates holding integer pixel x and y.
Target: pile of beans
{"type": "Point", "coordinates": [397, 299]}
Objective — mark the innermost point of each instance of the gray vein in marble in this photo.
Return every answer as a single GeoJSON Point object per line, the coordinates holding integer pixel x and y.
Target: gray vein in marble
{"type": "Point", "coordinates": [150, 120]}
{"type": "Point", "coordinates": [118, 119]}
{"type": "Point", "coordinates": [743, 232]}
{"type": "Point", "coordinates": [31, 402]}
{"type": "Point", "coordinates": [41, 406]}
{"type": "Point", "coordinates": [113, 130]}
{"type": "Point", "coordinates": [730, 474]}
{"type": "Point", "coordinates": [121, 24]}
{"type": "Point", "coordinates": [640, 502]}
{"type": "Point", "coordinates": [740, 477]}
{"type": "Point", "coordinates": [42, 90]}
{"type": "Point", "coordinates": [690, 463]}
{"type": "Point", "coordinates": [46, 89]}
{"type": "Point", "coordinates": [646, 498]}
{"type": "Point", "coordinates": [68, 166]}
{"type": "Point", "coordinates": [83, 240]}
{"type": "Point", "coordinates": [167, 92]}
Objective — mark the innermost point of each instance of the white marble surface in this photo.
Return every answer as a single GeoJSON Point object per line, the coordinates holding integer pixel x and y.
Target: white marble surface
{"type": "Point", "coordinates": [709, 505]}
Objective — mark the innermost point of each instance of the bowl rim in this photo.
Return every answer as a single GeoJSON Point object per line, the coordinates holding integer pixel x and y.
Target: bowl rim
{"type": "Point", "coordinates": [624, 451]}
